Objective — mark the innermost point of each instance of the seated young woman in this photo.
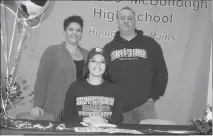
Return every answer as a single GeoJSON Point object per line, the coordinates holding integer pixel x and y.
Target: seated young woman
{"type": "Point", "coordinates": [94, 98]}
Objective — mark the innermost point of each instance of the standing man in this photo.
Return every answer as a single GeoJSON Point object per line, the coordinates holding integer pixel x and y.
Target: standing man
{"type": "Point", "coordinates": [137, 63]}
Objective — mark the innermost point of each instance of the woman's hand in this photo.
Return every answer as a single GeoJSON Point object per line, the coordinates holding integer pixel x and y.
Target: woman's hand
{"type": "Point", "coordinates": [94, 119]}
{"type": "Point", "coordinates": [37, 111]}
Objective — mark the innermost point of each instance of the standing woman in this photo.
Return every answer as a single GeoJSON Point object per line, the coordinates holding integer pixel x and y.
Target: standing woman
{"type": "Point", "coordinates": [94, 98]}
{"type": "Point", "coordinates": [60, 65]}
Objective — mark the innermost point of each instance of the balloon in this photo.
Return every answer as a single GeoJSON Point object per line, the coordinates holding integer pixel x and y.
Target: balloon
{"type": "Point", "coordinates": [32, 8]}
{"type": "Point", "coordinates": [28, 14]}
{"type": "Point", "coordinates": [35, 22]}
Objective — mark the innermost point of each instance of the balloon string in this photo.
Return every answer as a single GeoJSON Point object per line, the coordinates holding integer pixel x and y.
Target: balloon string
{"type": "Point", "coordinates": [11, 43]}
{"type": "Point", "coordinates": [23, 37]}
{"type": "Point", "coordinates": [4, 45]}
{"type": "Point", "coordinates": [3, 13]}
{"type": "Point", "coordinates": [8, 9]}
{"type": "Point", "coordinates": [3, 37]}
{"type": "Point", "coordinates": [5, 56]}
{"type": "Point", "coordinates": [3, 104]}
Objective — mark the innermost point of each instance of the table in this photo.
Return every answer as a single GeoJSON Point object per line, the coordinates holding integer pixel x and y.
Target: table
{"type": "Point", "coordinates": [145, 129]}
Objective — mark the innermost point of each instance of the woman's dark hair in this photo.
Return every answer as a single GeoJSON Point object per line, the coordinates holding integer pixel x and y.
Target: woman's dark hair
{"type": "Point", "coordinates": [71, 19]}
{"type": "Point", "coordinates": [106, 75]}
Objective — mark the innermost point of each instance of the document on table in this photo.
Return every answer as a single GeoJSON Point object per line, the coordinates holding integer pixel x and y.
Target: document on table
{"type": "Point", "coordinates": [106, 130]}
{"type": "Point", "coordinates": [101, 124]}
{"type": "Point", "coordinates": [175, 131]}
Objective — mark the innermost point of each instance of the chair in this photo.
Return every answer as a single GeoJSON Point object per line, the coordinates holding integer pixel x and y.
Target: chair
{"type": "Point", "coordinates": [157, 122]}
{"type": "Point", "coordinates": [27, 115]}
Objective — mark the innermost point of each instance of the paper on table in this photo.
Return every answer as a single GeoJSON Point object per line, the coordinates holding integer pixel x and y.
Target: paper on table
{"type": "Point", "coordinates": [106, 130]}
{"type": "Point", "coordinates": [175, 131]}
{"type": "Point", "coordinates": [101, 124]}
{"type": "Point", "coordinates": [128, 131]}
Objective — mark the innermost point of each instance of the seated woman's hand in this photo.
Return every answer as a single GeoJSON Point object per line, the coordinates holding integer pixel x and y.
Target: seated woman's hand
{"type": "Point", "coordinates": [94, 119]}
{"type": "Point", "coordinates": [37, 111]}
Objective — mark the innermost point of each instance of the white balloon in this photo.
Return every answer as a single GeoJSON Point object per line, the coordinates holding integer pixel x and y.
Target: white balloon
{"type": "Point", "coordinates": [33, 9]}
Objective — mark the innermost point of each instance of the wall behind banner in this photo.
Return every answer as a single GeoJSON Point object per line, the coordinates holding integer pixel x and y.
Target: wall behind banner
{"type": "Point", "coordinates": [183, 29]}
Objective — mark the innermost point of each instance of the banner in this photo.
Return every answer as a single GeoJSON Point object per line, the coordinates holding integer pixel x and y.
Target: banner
{"type": "Point", "coordinates": [181, 27]}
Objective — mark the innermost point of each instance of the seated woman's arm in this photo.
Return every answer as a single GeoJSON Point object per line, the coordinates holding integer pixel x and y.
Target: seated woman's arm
{"type": "Point", "coordinates": [70, 110]}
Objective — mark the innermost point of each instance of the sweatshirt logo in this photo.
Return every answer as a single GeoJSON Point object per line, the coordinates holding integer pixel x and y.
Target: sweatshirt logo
{"type": "Point", "coordinates": [95, 106]}
{"type": "Point", "coordinates": [128, 54]}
